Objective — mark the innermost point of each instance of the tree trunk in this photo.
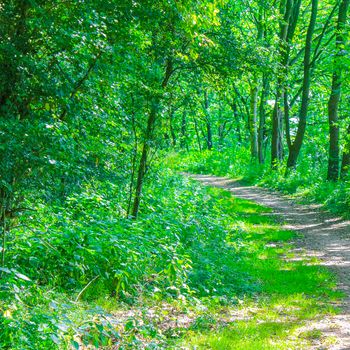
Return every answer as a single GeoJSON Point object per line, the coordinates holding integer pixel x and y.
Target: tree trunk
{"type": "Point", "coordinates": [333, 153]}
{"type": "Point", "coordinates": [208, 124]}
{"type": "Point", "coordinates": [171, 127]}
{"type": "Point", "coordinates": [183, 141]}
{"type": "Point", "coordinates": [143, 160]}
{"type": "Point", "coordinates": [277, 121]}
{"type": "Point", "coordinates": [237, 121]}
{"type": "Point", "coordinates": [209, 136]}
{"type": "Point", "coordinates": [286, 118]}
{"type": "Point", "coordinates": [345, 166]}
{"type": "Point", "coordinates": [252, 121]}
{"type": "Point", "coordinates": [296, 146]}
{"type": "Point", "coordinates": [133, 161]}
{"type": "Point", "coordinates": [262, 120]}
{"type": "Point", "coordinates": [221, 134]}
{"type": "Point", "coordinates": [197, 135]}
{"type": "Point", "coordinates": [333, 103]}
{"type": "Point", "coordinates": [276, 137]}
{"type": "Point", "coordinates": [148, 137]}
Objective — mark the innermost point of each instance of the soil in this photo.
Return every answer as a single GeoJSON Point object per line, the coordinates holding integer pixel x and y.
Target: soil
{"type": "Point", "coordinates": [324, 236]}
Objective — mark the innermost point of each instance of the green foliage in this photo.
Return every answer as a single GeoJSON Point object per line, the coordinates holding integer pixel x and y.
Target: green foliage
{"type": "Point", "coordinates": [93, 96]}
{"type": "Point", "coordinates": [191, 245]}
{"type": "Point", "coordinates": [305, 182]}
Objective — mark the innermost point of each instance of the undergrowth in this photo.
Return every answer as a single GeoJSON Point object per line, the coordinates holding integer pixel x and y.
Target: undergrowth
{"type": "Point", "coordinates": [306, 182]}
{"type": "Point", "coordinates": [198, 268]}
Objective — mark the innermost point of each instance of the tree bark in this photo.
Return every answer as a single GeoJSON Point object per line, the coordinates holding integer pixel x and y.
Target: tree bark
{"type": "Point", "coordinates": [171, 127]}
{"type": "Point", "coordinates": [237, 121]}
{"type": "Point", "coordinates": [197, 135]}
{"type": "Point", "coordinates": [262, 120]}
{"type": "Point", "coordinates": [334, 98]}
{"type": "Point", "coordinates": [209, 136]}
{"type": "Point", "coordinates": [276, 137]}
{"type": "Point", "coordinates": [296, 145]}
{"type": "Point", "coordinates": [345, 166]}
{"type": "Point", "coordinates": [252, 121]}
{"type": "Point", "coordinates": [277, 121]}
{"type": "Point", "coordinates": [143, 160]}
{"type": "Point", "coordinates": [208, 123]}
{"type": "Point", "coordinates": [148, 137]}
{"type": "Point", "coordinates": [183, 141]}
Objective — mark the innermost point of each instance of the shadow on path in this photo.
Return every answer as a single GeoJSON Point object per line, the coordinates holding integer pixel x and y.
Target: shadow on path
{"type": "Point", "coordinates": [323, 236]}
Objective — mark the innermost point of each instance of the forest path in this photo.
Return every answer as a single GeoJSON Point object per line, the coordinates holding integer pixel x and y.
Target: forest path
{"type": "Point", "coordinates": [323, 236]}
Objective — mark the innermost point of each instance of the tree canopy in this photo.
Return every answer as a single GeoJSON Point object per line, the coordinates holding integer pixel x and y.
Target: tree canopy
{"type": "Point", "coordinates": [96, 96]}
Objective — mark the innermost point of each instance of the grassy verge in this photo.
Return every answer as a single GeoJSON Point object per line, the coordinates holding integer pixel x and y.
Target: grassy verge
{"type": "Point", "coordinates": [198, 269]}
{"type": "Point", "coordinates": [289, 292]}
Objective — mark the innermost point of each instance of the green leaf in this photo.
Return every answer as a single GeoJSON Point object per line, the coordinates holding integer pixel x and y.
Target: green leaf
{"type": "Point", "coordinates": [23, 277]}
{"type": "Point", "coordinates": [75, 344]}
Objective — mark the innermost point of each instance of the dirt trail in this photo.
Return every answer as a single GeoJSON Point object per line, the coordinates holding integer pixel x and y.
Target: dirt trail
{"type": "Point", "coordinates": [324, 236]}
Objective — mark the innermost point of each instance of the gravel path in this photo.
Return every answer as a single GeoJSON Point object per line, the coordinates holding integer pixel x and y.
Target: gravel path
{"type": "Point", "coordinates": [324, 236]}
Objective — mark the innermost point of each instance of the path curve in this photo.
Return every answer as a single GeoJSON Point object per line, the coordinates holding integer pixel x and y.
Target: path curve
{"type": "Point", "coordinates": [324, 236]}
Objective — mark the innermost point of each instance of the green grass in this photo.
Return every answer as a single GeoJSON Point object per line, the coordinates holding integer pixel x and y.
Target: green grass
{"type": "Point", "coordinates": [199, 269]}
{"type": "Point", "coordinates": [307, 183]}
{"type": "Point", "coordinates": [287, 292]}
{"type": "Point", "coordinates": [250, 291]}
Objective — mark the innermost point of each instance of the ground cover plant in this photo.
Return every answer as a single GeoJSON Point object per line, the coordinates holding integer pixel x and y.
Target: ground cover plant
{"type": "Point", "coordinates": [197, 255]}
{"type": "Point", "coordinates": [103, 243]}
{"type": "Point", "coordinates": [304, 184]}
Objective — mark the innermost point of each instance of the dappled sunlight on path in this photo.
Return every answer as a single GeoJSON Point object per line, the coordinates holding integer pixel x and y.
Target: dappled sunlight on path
{"type": "Point", "coordinates": [323, 236]}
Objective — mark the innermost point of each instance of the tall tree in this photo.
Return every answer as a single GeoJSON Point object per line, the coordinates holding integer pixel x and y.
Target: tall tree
{"type": "Point", "coordinates": [334, 98]}
{"type": "Point", "coordinates": [262, 120]}
{"type": "Point", "coordinates": [173, 42]}
{"type": "Point", "coordinates": [277, 120]}
{"type": "Point", "coordinates": [253, 119]}
{"type": "Point", "coordinates": [295, 147]}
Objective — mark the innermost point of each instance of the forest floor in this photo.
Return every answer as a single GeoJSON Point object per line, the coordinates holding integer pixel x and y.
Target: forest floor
{"type": "Point", "coordinates": [321, 235]}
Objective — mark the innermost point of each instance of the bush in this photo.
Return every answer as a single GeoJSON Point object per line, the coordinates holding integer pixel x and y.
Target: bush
{"type": "Point", "coordinates": [306, 182]}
